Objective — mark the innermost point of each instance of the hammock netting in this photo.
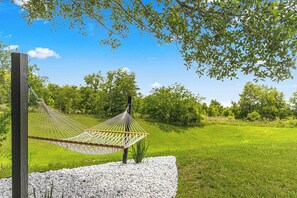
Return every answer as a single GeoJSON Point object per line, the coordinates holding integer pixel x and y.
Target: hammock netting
{"type": "Point", "coordinates": [47, 124]}
{"type": "Point", "coordinates": [112, 135]}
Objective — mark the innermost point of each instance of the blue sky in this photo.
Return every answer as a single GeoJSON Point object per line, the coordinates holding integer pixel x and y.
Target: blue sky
{"type": "Point", "coordinates": [68, 57]}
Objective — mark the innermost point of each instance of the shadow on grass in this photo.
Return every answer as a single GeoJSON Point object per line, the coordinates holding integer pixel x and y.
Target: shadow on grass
{"type": "Point", "coordinates": [168, 127]}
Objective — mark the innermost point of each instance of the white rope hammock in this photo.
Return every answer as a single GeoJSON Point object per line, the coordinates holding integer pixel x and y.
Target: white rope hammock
{"type": "Point", "coordinates": [113, 135]}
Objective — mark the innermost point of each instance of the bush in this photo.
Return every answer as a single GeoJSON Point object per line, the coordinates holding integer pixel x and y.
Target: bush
{"type": "Point", "coordinates": [254, 116]}
{"type": "Point", "coordinates": [173, 105]}
{"type": "Point", "coordinates": [47, 194]}
{"type": "Point", "coordinates": [139, 151]}
{"type": "Point", "coordinates": [227, 113]}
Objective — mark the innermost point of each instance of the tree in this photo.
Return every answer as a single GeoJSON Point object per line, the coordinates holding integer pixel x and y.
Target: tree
{"type": "Point", "coordinates": [66, 98]}
{"type": "Point", "coordinates": [36, 81]}
{"type": "Point", "coordinates": [94, 80]}
{"type": "Point", "coordinates": [37, 84]}
{"type": "Point", "coordinates": [219, 38]}
{"type": "Point", "coordinates": [4, 74]}
{"type": "Point", "coordinates": [107, 95]}
{"type": "Point", "coordinates": [89, 100]}
{"type": "Point", "coordinates": [293, 101]}
{"type": "Point", "coordinates": [174, 104]}
{"type": "Point", "coordinates": [118, 85]}
{"type": "Point", "coordinates": [215, 108]}
{"type": "Point", "coordinates": [267, 101]}
{"type": "Point", "coordinates": [235, 109]}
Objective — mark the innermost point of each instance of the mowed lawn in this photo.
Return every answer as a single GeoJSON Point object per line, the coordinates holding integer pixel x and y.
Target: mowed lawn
{"type": "Point", "coordinates": [213, 161]}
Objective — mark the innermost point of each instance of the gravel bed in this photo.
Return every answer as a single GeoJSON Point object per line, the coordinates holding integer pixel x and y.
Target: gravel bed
{"type": "Point", "coordinates": [154, 177]}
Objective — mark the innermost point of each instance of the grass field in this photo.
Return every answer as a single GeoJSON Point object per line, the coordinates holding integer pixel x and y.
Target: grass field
{"type": "Point", "coordinates": [217, 160]}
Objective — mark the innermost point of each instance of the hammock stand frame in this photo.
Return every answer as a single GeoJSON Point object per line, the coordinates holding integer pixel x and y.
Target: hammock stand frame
{"type": "Point", "coordinates": [19, 124]}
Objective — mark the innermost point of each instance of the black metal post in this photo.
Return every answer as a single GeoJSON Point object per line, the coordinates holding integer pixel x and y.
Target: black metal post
{"type": "Point", "coordinates": [19, 114]}
{"type": "Point", "coordinates": [127, 128]}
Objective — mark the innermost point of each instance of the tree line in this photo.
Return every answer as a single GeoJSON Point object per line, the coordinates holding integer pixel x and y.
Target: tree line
{"type": "Point", "coordinates": [106, 96]}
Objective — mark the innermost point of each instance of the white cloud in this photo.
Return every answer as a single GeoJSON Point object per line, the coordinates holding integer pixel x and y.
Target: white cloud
{"type": "Point", "coordinates": [43, 53]}
{"type": "Point", "coordinates": [20, 2]}
{"type": "Point", "coordinates": [8, 36]}
{"type": "Point", "coordinates": [126, 69]}
{"type": "Point", "coordinates": [11, 47]}
{"type": "Point", "coordinates": [156, 85]}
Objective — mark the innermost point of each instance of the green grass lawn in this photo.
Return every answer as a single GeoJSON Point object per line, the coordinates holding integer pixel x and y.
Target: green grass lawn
{"type": "Point", "coordinates": [216, 160]}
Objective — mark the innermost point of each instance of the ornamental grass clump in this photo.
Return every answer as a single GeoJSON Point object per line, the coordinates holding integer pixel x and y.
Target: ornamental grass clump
{"type": "Point", "coordinates": [47, 194]}
{"type": "Point", "coordinates": [139, 150]}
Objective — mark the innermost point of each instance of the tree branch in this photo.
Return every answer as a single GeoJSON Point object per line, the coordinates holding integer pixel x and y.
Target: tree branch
{"type": "Point", "coordinates": [94, 16]}
{"type": "Point", "coordinates": [206, 12]}
{"type": "Point", "coordinates": [136, 20]}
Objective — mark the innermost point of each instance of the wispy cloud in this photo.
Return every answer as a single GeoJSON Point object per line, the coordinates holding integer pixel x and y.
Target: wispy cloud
{"type": "Point", "coordinates": [43, 53]}
{"type": "Point", "coordinates": [156, 85]}
{"type": "Point", "coordinates": [8, 36]}
{"type": "Point", "coordinates": [20, 2]}
{"type": "Point", "coordinates": [11, 47]}
{"type": "Point", "coordinates": [91, 29]}
{"type": "Point", "coordinates": [126, 69]}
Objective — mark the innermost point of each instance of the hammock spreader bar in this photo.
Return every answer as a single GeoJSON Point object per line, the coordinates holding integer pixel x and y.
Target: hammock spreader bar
{"type": "Point", "coordinates": [75, 142]}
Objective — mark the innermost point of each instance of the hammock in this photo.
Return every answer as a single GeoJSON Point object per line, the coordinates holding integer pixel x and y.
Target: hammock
{"type": "Point", "coordinates": [115, 134]}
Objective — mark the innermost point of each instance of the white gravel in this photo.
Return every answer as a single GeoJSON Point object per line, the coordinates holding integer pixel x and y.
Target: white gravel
{"type": "Point", "coordinates": [154, 177]}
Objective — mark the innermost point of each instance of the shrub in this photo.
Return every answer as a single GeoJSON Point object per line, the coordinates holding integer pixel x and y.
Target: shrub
{"type": "Point", "coordinates": [47, 194]}
{"type": "Point", "coordinates": [254, 116]}
{"type": "Point", "coordinates": [139, 150]}
{"type": "Point", "coordinates": [227, 113]}
{"type": "Point", "coordinates": [174, 105]}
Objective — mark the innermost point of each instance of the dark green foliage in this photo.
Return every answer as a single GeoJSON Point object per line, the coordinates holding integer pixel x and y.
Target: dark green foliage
{"type": "Point", "coordinates": [227, 112]}
{"type": "Point", "coordinates": [215, 108]}
{"type": "Point", "coordinates": [102, 96]}
{"type": "Point", "coordinates": [254, 116]}
{"type": "Point", "coordinates": [66, 98]}
{"type": "Point", "coordinates": [139, 151]}
{"type": "Point", "coordinates": [221, 39]}
{"type": "Point", "coordinates": [267, 101]}
{"type": "Point", "coordinates": [174, 104]}
{"type": "Point", "coordinates": [117, 86]}
{"type": "Point", "coordinates": [235, 109]}
{"type": "Point", "coordinates": [107, 96]}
